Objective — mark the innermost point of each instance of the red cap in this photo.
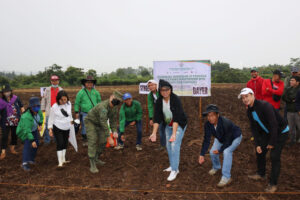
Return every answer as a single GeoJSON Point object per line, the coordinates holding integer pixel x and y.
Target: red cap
{"type": "Point", "coordinates": [54, 77]}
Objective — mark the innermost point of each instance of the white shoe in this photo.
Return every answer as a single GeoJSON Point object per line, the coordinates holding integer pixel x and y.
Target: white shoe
{"type": "Point", "coordinates": [213, 171]}
{"type": "Point", "coordinates": [169, 169]}
{"type": "Point", "coordinates": [224, 181]}
{"type": "Point", "coordinates": [173, 175]}
{"type": "Point", "coordinates": [60, 159]}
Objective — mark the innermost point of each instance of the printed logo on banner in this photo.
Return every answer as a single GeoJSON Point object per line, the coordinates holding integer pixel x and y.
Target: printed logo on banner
{"type": "Point", "coordinates": [143, 88]}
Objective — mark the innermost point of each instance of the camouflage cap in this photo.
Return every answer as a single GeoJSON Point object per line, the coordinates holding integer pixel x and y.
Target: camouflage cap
{"type": "Point", "coordinates": [118, 95]}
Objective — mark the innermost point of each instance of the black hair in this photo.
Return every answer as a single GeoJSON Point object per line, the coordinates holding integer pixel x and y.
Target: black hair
{"type": "Point", "coordinates": [4, 97]}
{"type": "Point", "coordinates": [61, 94]}
{"type": "Point", "coordinates": [297, 78]}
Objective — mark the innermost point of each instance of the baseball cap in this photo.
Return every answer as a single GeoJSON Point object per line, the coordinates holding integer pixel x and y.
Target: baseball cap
{"type": "Point", "coordinates": [127, 96]}
{"type": "Point", "coordinates": [245, 91]}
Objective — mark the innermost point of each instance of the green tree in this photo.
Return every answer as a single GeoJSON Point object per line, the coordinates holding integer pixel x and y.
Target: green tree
{"type": "Point", "coordinates": [73, 75]}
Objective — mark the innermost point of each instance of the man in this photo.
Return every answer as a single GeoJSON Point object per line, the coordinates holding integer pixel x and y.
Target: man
{"type": "Point", "coordinates": [294, 72]}
{"type": "Point", "coordinates": [87, 98]}
{"type": "Point", "coordinates": [293, 117]}
{"type": "Point", "coordinates": [228, 137]}
{"type": "Point", "coordinates": [152, 98]}
{"type": "Point", "coordinates": [97, 129]}
{"type": "Point", "coordinates": [130, 114]}
{"type": "Point", "coordinates": [255, 83]}
{"type": "Point", "coordinates": [270, 132]}
{"type": "Point", "coordinates": [272, 89]}
{"type": "Point", "coordinates": [48, 99]}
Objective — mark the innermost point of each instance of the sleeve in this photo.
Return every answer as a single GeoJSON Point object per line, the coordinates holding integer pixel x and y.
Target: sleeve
{"type": "Point", "coordinates": [113, 119]}
{"type": "Point", "coordinates": [298, 101]}
{"type": "Point", "coordinates": [103, 121]}
{"type": "Point", "coordinates": [40, 113]}
{"type": "Point", "coordinates": [254, 130]}
{"type": "Point", "coordinates": [273, 128]}
{"type": "Point", "coordinates": [150, 106]}
{"type": "Point", "coordinates": [228, 139]}
{"type": "Point", "coordinates": [248, 84]}
{"type": "Point", "coordinates": [20, 102]}
{"type": "Point", "coordinates": [265, 85]}
{"type": "Point", "coordinates": [280, 89]}
{"type": "Point", "coordinates": [122, 119]}
{"type": "Point", "coordinates": [70, 111]}
{"type": "Point", "coordinates": [77, 102]}
{"type": "Point", "coordinates": [98, 97]}
{"type": "Point", "coordinates": [51, 118]}
{"type": "Point", "coordinates": [158, 114]}
{"type": "Point", "coordinates": [24, 130]}
{"type": "Point", "coordinates": [206, 141]}
{"type": "Point", "coordinates": [285, 97]}
{"type": "Point", "coordinates": [177, 110]}
{"type": "Point", "coordinates": [139, 111]}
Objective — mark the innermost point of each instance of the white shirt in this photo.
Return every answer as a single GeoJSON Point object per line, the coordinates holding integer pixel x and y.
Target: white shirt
{"type": "Point", "coordinates": [58, 119]}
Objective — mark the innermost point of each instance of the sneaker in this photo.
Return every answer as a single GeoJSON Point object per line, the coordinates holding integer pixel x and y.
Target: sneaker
{"type": "Point", "coordinates": [224, 181]}
{"type": "Point", "coordinates": [84, 143]}
{"type": "Point", "coordinates": [212, 171]}
{"type": "Point", "coordinates": [139, 147]}
{"type": "Point", "coordinates": [256, 177]}
{"type": "Point", "coordinates": [271, 188]}
{"type": "Point", "coordinates": [31, 162]}
{"type": "Point", "coordinates": [169, 169]}
{"type": "Point", "coordinates": [173, 175]}
{"type": "Point", "coordinates": [25, 167]}
{"type": "Point", "coordinates": [160, 148]}
{"type": "Point", "coordinates": [119, 146]}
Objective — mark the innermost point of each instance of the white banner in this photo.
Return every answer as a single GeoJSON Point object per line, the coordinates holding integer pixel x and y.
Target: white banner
{"type": "Point", "coordinates": [72, 138]}
{"type": "Point", "coordinates": [42, 91]}
{"type": "Point", "coordinates": [188, 78]}
{"type": "Point", "coordinates": [143, 88]}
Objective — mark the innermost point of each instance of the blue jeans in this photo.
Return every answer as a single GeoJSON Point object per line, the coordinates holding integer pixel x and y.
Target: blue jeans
{"type": "Point", "coordinates": [162, 134]}
{"type": "Point", "coordinates": [227, 156]}
{"type": "Point", "coordinates": [173, 148]}
{"type": "Point", "coordinates": [82, 117]}
{"type": "Point", "coordinates": [139, 127]}
{"type": "Point", "coordinates": [29, 152]}
{"type": "Point", "coordinates": [46, 136]}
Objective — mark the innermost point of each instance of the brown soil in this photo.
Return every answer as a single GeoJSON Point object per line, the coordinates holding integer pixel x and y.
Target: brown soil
{"type": "Point", "coordinates": [129, 174]}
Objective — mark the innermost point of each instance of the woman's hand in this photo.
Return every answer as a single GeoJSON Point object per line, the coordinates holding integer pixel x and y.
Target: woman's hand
{"type": "Point", "coordinates": [201, 160]}
{"type": "Point", "coordinates": [173, 138]}
{"type": "Point", "coordinates": [33, 144]}
{"type": "Point", "coordinates": [152, 137]}
{"type": "Point", "coordinates": [50, 132]}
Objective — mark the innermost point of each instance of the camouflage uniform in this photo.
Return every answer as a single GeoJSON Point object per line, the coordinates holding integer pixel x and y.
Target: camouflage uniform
{"type": "Point", "coordinates": [97, 129]}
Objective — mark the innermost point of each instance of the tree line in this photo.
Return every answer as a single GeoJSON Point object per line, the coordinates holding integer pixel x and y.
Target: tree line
{"type": "Point", "coordinates": [221, 72]}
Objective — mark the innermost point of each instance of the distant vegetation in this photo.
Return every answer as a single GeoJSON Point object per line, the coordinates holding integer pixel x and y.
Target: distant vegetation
{"type": "Point", "coordinates": [221, 73]}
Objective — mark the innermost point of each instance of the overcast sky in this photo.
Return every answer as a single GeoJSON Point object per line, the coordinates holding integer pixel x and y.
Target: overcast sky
{"type": "Point", "coordinates": [108, 34]}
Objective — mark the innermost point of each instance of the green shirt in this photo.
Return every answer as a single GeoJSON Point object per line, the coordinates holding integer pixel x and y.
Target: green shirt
{"type": "Point", "coordinates": [24, 129]}
{"type": "Point", "coordinates": [151, 104]}
{"type": "Point", "coordinates": [129, 114]}
{"type": "Point", "coordinates": [83, 102]}
{"type": "Point", "coordinates": [101, 113]}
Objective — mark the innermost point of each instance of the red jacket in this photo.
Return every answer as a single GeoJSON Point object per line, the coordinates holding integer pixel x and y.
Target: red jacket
{"type": "Point", "coordinates": [267, 94]}
{"type": "Point", "coordinates": [256, 85]}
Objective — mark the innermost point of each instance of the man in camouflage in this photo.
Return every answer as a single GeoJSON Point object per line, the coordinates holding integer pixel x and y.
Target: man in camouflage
{"type": "Point", "coordinates": [97, 128]}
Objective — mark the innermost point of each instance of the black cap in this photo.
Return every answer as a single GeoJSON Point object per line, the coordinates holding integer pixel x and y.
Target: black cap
{"type": "Point", "coordinates": [6, 88]}
{"type": "Point", "coordinates": [88, 78]}
{"type": "Point", "coordinates": [211, 108]}
{"type": "Point", "coordinates": [278, 72]}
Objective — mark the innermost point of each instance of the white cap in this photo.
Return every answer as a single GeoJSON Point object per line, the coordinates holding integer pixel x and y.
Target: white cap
{"type": "Point", "coordinates": [152, 81]}
{"type": "Point", "coordinates": [245, 91]}
{"type": "Point", "coordinates": [77, 121]}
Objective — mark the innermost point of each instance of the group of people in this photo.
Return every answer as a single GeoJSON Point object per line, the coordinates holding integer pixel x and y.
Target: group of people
{"type": "Point", "coordinates": [99, 123]}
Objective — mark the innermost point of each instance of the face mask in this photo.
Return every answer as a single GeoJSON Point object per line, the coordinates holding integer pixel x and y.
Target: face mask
{"type": "Point", "coordinates": [54, 86]}
{"type": "Point", "coordinates": [36, 108]}
{"type": "Point", "coordinates": [115, 102]}
{"type": "Point", "coordinates": [7, 94]}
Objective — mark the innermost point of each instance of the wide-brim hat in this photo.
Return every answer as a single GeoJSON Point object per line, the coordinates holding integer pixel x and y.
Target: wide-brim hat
{"type": "Point", "coordinates": [210, 108]}
{"type": "Point", "coordinates": [6, 88]}
{"type": "Point", "coordinates": [88, 78]}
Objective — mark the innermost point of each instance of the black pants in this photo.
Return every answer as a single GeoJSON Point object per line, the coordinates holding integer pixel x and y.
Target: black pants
{"type": "Point", "coordinates": [61, 137]}
{"type": "Point", "coordinates": [5, 133]}
{"type": "Point", "coordinates": [275, 158]}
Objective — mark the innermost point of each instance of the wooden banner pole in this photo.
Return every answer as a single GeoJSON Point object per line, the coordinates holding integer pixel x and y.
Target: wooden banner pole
{"type": "Point", "coordinates": [200, 113]}
{"type": "Point", "coordinates": [147, 116]}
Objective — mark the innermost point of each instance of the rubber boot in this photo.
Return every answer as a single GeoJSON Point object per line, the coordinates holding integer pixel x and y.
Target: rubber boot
{"type": "Point", "coordinates": [64, 157]}
{"type": "Point", "coordinates": [3, 154]}
{"type": "Point", "coordinates": [93, 167]}
{"type": "Point", "coordinates": [98, 161]}
{"type": "Point", "coordinates": [60, 158]}
{"type": "Point", "coordinates": [12, 149]}
{"type": "Point", "coordinates": [84, 140]}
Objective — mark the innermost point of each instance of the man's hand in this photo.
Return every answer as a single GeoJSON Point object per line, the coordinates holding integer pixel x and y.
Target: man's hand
{"type": "Point", "coordinates": [33, 144]}
{"type": "Point", "coordinates": [152, 137]}
{"type": "Point", "coordinates": [151, 122]}
{"type": "Point", "coordinates": [201, 160]}
{"type": "Point", "coordinates": [39, 128]}
{"type": "Point", "coordinates": [270, 147]}
{"type": "Point", "coordinates": [132, 123]}
{"type": "Point", "coordinates": [258, 150]}
{"type": "Point", "coordinates": [50, 132]}
{"type": "Point", "coordinates": [115, 135]}
{"type": "Point", "coordinates": [216, 151]}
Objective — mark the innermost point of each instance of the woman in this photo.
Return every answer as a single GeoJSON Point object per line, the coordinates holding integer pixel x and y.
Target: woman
{"type": "Point", "coordinates": [59, 124]}
{"type": "Point", "coordinates": [228, 137]}
{"type": "Point", "coordinates": [168, 110]}
{"type": "Point", "coordinates": [11, 108]}
{"type": "Point", "coordinates": [28, 131]}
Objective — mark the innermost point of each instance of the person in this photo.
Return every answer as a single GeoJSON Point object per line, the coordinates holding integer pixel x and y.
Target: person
{"type": "Point", "coordinates": [11, 109]}
{"type": "Point", "coordinates": [59, 125]}
{"type": "Point", "coordinates": [48, 99]}
{"type": "Point", "coordinates": [130, 114]}
{"type": "Point", "coordinates": [151, 100]}
{"type": "Point", "coordinates": [294, 72]}
{"type": "Point", "coordinates": [97, 128]}
{"type": "Point", "coordinates": [28, 131]}
{"type": "Point", "coordinates": [270, 132]}
{"type": "Point", "coordinates": [87, 98]}
{"type": "Point", "coordinates": [168, 110]}
{"type": "Point", "coordinates": [228, 137]}
{"type": "Point", "coordinates": [272, 89]}
{"type": "Point", "coordinates": [255, 83]}
{"type": "Point", "coordinates": [293, 117]}
{"type": "Point", "coordinates": [297, 104]}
